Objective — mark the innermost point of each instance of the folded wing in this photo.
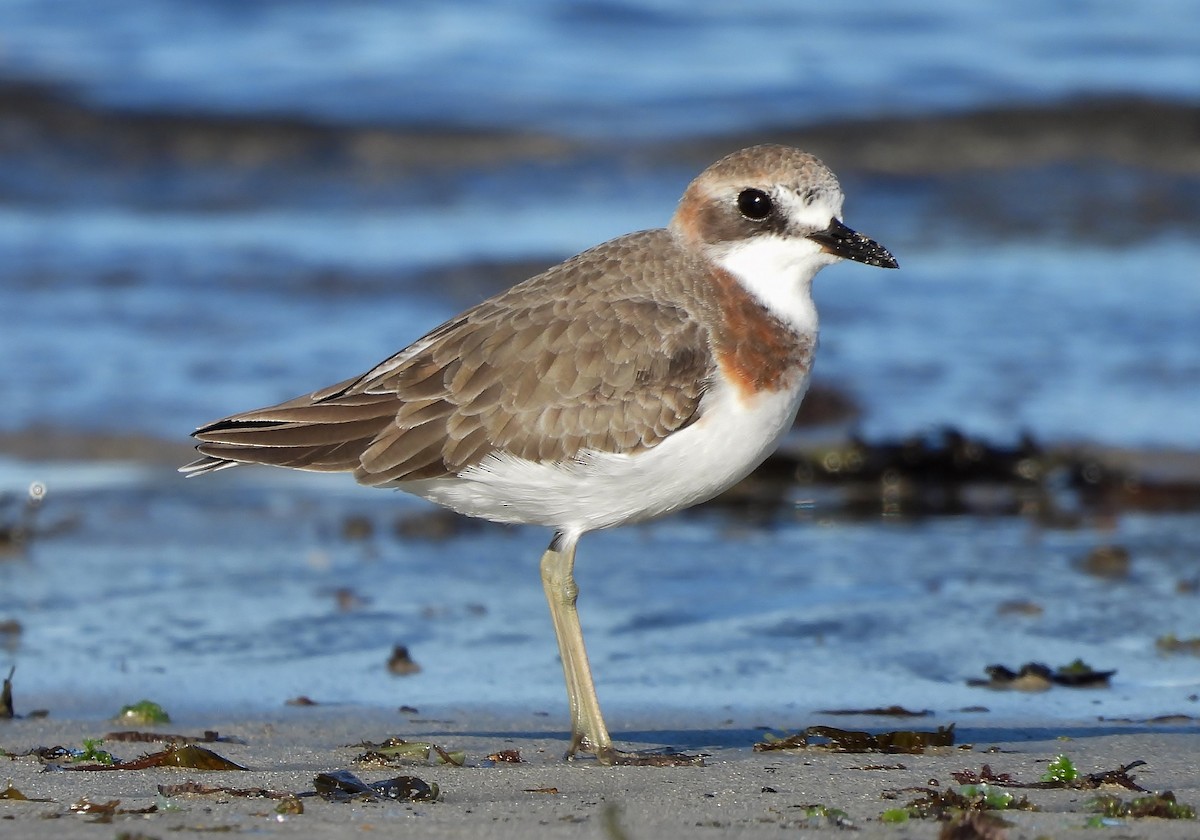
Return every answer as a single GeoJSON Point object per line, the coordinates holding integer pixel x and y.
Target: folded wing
{"type": "Point", "coordinates": [535, 375]}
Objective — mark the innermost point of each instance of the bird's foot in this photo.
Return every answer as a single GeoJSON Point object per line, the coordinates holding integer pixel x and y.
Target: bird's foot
{"type": "Point", "coordinates": [648, 758]}
{"type": "Point", "coordinates": [610, 756]}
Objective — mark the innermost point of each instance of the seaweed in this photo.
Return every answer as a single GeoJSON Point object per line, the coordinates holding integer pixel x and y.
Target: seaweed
{"type": "Point", "coordinates": [102, 811]}
{"type": "Point", "coordinates": [210, 736]}
{"type": "Point", "coordinates": [189, 757]}
{"type": "Point", "coordinates": [1034, 676]}
{"type": "Point", "coordinates": [142, 713]}
{"type": "Point", "coordinates": [1060, 773]}
{"type": "Point", "coordinates": [1079, 674]}
{"type": "Point", "coordinates": [667, 757]}
{"type": "Point", "coordinates": [1170, 644]}
{"type": "Point", "coordinates": [1061, 769]}
{"type": "Point", "coordinates": [398, 751]}
{"type": "Point", "coordinates": [985, 790]}
{"type": "Point", "coordinates": [820, 816]}
{"type": "Point", "coordinates": [10, 632]}
{"type": "Point", "coordinates": [852, 741]}
{"type": "Point", "coordinates": [1175, 719]}
{"type": "Point", "coordinates": [289, 805]}
{"type": "Point", "coordinates": [1162, 805]}
{"type": "Point", "coordinates": [884, 711]}
{"type": "Point", "coordinates": [934, 474]}
{"type": "Point", "coordinates": [6, 696]}
{"type": "Point", "coordinates": [401, 663]}
{"type": "Point", "coordinates": [11, 792]}
{"type": "Point", "coordinates": [895, 815]}
{"type": "Point", "coordinates": [1110, 562]}
{"type": "Point", "coordinates": [1119, 777]}
{"type": "Point", "coordinates": [945, 803]}
{"type": "Point", "coordinates": [985, 776]}
{"type": "Point", "coordinates": [191, 788]}
{"type": "Point", "coordinates": [344, 786]}
{"type": "Point", "coordinates": [91, 752]}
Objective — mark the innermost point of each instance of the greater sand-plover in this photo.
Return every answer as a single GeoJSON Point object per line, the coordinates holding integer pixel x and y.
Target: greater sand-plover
{"type": "Point", "coordinates": [642, 376]}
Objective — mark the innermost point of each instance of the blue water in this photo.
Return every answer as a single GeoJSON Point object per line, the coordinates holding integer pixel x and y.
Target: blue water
{"type": "Point", "coordinates": [134, 298]}
{"type": "Point", "coordinates": [614, 69]}
{"type": "Point", "coordinates": [220, 595]}
{"type": "Point", "coordinates": [148, 297]}
{"type": "Point", "coordinates": [1067, 342]}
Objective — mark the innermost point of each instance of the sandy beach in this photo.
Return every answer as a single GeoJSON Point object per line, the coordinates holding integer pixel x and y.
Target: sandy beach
{"type": "Point", "coordinates": [738, 792]}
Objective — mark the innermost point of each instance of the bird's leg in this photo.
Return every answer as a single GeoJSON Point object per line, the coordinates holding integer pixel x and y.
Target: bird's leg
{"type": "Point", "coordinates": [588, 732]}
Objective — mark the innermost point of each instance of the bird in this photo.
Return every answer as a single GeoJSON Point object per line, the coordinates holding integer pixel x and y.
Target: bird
{"type": "Point", "coordinates": [642, 376]}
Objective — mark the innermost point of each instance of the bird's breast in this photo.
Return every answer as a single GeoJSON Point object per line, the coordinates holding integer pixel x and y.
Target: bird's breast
{"type": "Point", "coordinates": [756, 351]}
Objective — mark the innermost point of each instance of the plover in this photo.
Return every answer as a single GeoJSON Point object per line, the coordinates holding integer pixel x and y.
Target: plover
{"type": "Point", "coordinates": [640, 377]}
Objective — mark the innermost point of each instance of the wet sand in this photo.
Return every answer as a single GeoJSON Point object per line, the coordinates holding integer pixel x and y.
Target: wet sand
{"type": "Point", "coordinates": [738, 792]}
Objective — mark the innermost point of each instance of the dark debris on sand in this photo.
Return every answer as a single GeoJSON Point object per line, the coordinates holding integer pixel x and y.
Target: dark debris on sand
{"type": "Point", "coordinates": [948, 473]}
{"type": "Point", "coordinates": [1034, 676]}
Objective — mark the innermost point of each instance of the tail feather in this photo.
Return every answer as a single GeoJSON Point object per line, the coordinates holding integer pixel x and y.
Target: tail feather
{"type": "Point", "coordinates": [326, 436]}
{"type": "Point", "coordinates": [204, 466]}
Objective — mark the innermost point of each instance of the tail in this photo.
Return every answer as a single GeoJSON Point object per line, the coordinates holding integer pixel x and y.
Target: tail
{"type": "Point", "coordinates": [326, 431]}
{"type": "Point", "coordinates": [204, 466]}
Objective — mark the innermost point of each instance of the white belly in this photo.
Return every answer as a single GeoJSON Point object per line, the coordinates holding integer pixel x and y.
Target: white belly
{"type": "Point", "coordinates": [601, 489]}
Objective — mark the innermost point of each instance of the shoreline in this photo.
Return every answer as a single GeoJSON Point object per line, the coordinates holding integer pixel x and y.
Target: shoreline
{"type": "Point", "coordinates": [738, 790]}
{"type": "Point", "coordinates": [1134, 130]}
{"type": "Point", "coordinates": [906, 473]}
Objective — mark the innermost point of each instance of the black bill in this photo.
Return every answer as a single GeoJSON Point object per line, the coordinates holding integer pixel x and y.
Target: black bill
{"type": "Point", "coordinates": [841, 241]}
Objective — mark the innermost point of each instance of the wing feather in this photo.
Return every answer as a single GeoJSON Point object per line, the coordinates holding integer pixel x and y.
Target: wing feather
{"type": "Point", "coordinates": [592, 358]}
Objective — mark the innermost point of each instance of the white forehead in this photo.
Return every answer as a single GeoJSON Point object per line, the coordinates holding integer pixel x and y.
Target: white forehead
{"type": "Point", "coordinates": [809, 208]}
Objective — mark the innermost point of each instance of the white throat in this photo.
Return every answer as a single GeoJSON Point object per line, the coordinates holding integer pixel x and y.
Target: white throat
{"type": "Point", "coordinates": [778, 271]}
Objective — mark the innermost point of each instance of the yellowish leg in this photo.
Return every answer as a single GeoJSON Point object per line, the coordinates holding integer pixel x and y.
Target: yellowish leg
{"type": "Point", "coordinates": [588, 732]}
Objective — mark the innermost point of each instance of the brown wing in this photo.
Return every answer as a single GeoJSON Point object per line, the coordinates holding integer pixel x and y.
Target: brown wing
{"type": "Point", "coordinates": [585, 358]}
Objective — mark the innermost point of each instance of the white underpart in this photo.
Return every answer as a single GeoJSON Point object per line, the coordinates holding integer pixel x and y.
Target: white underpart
{"type": "Point", "coordinates": [602, 489]}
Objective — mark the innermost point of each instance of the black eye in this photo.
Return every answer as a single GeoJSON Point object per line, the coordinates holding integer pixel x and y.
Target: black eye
{"type": "Point", "coordinates": [754, 204]}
